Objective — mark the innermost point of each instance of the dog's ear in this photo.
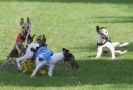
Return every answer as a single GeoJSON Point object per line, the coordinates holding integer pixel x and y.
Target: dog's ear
{"type": "Point", "coordinates": [33, 36]}
{"type": "Point", "coordinates": [43, 36]}
{"type": "Point", "coordinates": [28, 20]}
{"type": "Point", "coordinates": [105, 27]}
{"type": "Point", "coordinates": [39, 37]}
{"type": "Point", "coordinates": [65, 50]}
{"type": "Point", "coordinates": [97, 28]}
{"type": "Point", "coordinates": [22, 21]}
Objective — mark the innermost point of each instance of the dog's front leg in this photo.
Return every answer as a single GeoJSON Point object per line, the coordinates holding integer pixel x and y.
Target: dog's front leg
{"type": "Point", "coordinates": [50, 69]}
{"type": "Point", "coordinates": [117, 44]}
{"type": "Point", "coordinates": [23, 58]}
{"type": "Point", "coordinates": [99, 52]}
{"type": "Point", "coordinates": [112, 50]}
{"type": "Point", "coordinates": [20, 51]}
{"type": "Point", "coordinates": [124, 44]}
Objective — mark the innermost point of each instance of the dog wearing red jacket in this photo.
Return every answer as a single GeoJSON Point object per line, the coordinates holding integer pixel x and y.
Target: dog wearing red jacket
{"type": "Point", "coordinates": [19, 48]}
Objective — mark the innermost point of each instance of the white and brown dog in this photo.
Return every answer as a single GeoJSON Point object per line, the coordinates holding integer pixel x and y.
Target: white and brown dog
{"type": "Point", "coordinates": [104, 43]}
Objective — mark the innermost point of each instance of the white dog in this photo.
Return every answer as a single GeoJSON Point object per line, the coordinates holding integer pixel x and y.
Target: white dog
{"type": "Point", "coordinates": [46, 57]}
{"type": "Point", "coordinates": [104, 43]}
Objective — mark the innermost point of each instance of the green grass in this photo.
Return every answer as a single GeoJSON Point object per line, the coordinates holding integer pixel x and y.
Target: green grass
{"type": "Point", "coordinates": [71, 24]}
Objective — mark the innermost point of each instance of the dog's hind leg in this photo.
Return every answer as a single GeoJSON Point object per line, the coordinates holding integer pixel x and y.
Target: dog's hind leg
{"type": "Point", "coordinates": [118, 52]}
{"type": "Point", "coordinates": [38, 67]}
{"type": "Point", "coordinates": [50, 69]}
{"type": "Point", "coordinates": [7, 61]}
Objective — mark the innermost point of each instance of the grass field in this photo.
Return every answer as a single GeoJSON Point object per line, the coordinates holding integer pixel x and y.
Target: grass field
{"type": "Point", "coordinates": [71, 24]}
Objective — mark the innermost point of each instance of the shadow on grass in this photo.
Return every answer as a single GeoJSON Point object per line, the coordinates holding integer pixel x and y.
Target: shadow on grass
{"type": "Point", "coordinates": [92, 72]}
{"type": "Point", "coordinates": [80, 1]}
{"type": "Point", "coordinates": [130, 47]}
{"type": "Point", "coordinates": [110, 19]}
{"type": "Point", "coordinates": [90, 47]}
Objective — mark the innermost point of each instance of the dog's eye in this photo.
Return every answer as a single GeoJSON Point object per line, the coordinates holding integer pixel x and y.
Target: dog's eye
{"type": "Point", "coordinates": [28, 27]}
{"type": "Point", "coordinates": [23, 27]}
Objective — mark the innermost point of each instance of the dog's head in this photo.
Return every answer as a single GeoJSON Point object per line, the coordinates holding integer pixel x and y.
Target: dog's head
{"type": "Point", "coordinates": [102, 31]}
{"type": "Point", "coordinates": [30, 39]}
{"type": "Point", "coordinates": [25, 26]}
{"type": "Point", "coordinates": [69, 59]}
{"type": "Point", "coordinates": [41, 40]}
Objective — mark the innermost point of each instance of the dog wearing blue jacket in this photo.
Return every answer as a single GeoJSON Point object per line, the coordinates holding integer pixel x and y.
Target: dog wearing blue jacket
{"type": "Point", "coordinates": [44, 56]}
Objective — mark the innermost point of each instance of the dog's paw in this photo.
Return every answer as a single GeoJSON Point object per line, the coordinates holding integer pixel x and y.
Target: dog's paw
{"type": "Point", "coordinates": [32, 76]}
{"type": "Point", "coordinates": [49, 74]}
{"type": "Point", "coordinates": [124, 52]}
{"type": "Point", "coordinates": [112, 58]}
{"type": "Point", "coordinates": [124, 44]}
{"type": "Point", "coordinates": [18, 66]}
{"type": "Point", "coordinates": [96, 57]}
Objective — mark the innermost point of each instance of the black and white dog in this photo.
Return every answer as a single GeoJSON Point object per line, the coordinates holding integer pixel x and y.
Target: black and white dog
{"type": "Point", "coordinates": [104, 43]}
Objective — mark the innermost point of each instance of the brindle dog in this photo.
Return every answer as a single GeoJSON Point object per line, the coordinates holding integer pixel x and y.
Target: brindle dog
{"type": "Point", "coordinates": [18, 48]}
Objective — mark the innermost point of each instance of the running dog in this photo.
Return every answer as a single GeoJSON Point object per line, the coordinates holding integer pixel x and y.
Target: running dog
{"type": "Point", "coordinates": [104, 43]}
{"type": "Point", "coordinates": [47, 57]}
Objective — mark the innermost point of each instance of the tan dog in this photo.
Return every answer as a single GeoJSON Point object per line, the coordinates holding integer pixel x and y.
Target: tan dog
{"type": "Point", "coordinates": [18, 48]}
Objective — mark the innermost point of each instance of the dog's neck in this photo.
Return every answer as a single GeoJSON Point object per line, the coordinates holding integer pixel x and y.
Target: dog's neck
{"type": "Point", "coordinates": [100, 39]}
